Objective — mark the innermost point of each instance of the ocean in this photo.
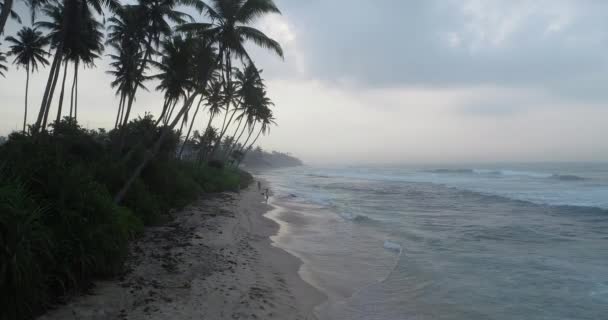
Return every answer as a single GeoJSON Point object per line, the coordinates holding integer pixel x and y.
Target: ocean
{"type": "Point", "coordinates": [504, 241]}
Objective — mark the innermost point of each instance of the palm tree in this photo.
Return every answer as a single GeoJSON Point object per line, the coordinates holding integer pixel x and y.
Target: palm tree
{"type": "Point", "coordinates": [204, 57]}
{"type": "Point", "coordinates": [87, 47]}
{"type": "Point", "coordinates": [261, 113]}
{"type": "Point", "coordinates": [6, 11]}
{"type": "Point", "coordinates": [229, 28]}
{"type": "Point", "coordinates": [266, 118]}
{"type": "Point", "coordinates": [125, 66]}
{"type": "Point", "coordinates": [250, 91]}
{"type": "Point", "coordinates": [154, 18]}
{"type": "Point", "coordinates": [175, 75]}
{"type": "Point", "coordinates": [67, 20]}
{"type": "Point", "coordinates": [28, 49]}
{"type": "Point", "coordinates": [126, 35]}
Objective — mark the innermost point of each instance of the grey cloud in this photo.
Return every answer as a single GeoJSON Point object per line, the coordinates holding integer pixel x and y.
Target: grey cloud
{"type": "Point", "coordinates": [394, 42]}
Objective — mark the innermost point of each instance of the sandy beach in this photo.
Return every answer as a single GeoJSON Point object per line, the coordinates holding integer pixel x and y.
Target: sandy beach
{"type": "Point", "coordinates": [214, 261]}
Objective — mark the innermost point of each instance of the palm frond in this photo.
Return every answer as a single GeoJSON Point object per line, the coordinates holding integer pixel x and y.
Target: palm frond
{"type": "Point", "coordinates": [259, 38]}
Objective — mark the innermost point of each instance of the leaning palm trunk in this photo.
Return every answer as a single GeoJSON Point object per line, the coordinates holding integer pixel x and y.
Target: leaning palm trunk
{"type": "Point", "coordinates": [6, 11]}
{"type": "Point", "coordinates": [60, 106]}
{"type": "Point", "coordinates": [204, 151]}
{"type": "Point", "coordinates": [248, 137]}
{"type": "Point", "coordinates": [162, 113]}
{"type": "Point", "coordinates": [233, 140]}
{"type": "Point", "coordinates": [246, 150]}
{"type": "Point", "coordinates": [120, 107]}
{"type": "Point", "coordinates": [50, 97]}
{"type": "Point", "coordinates": [150, 154]}
{"type": "Point", "coordinates": [181, 150]}
{"type": "Point", "coordinates": [27, 85]}
{"type": "Point", "coordinates": [73, 93]}
{"type": "Point", "coordinates": [54, 67]}
{"type": "Point", "coordinates": [223, 132]}
{"type": "Point", "coordinates": [76, 93]}
{"type": "Point", "coordinates": [125, 120]}
{"type": "Point", "coordinates": [140, 72]}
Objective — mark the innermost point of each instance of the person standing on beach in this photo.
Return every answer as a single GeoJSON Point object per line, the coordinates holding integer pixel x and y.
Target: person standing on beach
{"type": "Point", "coordinates": [259, 186]}
{"type": "Point", "coordinates": [266, 194]}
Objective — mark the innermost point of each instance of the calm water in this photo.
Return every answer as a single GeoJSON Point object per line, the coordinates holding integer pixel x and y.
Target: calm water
{"type": "Point", "coordinates": [441, 242]}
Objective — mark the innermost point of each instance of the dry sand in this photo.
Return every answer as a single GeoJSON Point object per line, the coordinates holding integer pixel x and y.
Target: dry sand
{"type": "Point", "coordinates": [214, 261]}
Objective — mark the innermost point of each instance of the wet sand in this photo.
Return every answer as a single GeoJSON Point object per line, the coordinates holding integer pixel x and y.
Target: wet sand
{"type": "Point", "coordinates": [214, 261]}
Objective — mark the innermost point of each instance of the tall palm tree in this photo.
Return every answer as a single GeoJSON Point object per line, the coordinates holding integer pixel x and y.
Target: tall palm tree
{"type": "Point", "coordinates": [261, 114]}
{"type": "Point", "coordinates": [154, 18]}
{"type": "Point", "coordinates": [229, 27]}
{"type": "Point", "coordinates": [266, 119]}
{"type": "Point", "coordinates": [6, 11]}
{"type": "Point", "coordinates": [125, 67]}
{"type": "Point", "coordinates": [175, 75]}
{"type": "Point", "coordinates": [28, 49]}
{"type": "Point", "coordinates": [68, 18]}
{"type": "Point", "coordinates": [202, 64]}
{"type": "Point", "coordinates": [85, 49]}
{"type": "Point", "coordinates": [250, 91]}
{"type": "Point", "coordinates": [126, 35]}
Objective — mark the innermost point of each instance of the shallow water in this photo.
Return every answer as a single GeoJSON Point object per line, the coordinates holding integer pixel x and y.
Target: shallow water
{"type": "Point", "coordinates": [450, 242]}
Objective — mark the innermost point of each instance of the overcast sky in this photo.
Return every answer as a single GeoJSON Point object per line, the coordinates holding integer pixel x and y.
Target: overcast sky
{"type": "Point", "coordinates": [391, 81]}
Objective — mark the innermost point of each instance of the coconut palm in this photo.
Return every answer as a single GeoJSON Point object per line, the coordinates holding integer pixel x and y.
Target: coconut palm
{"type": "Point", "coordinates": [175, 77]}
{"type": "Point", "coordinates": [68, 18]}
{"type": "Point", "coordinates": [126, 35]}
{"type": "Point", "coordinates": [125, 69]}
{"type": "Point", "coordinates": [229, 28]}
{"type": "Point", "coordinates": [204, 57]}
{"type": "Point", "coordinates": [28, 49]}
{"type": "Point", "coordinates": [250, 90]}
{"type": "Point", "coordinates": [266, 118]}
{"type": "Point", "coordinates": [85, 49]}
{"type": "Point", "coordinates": [154, 18]}
{"type": "Point", "coordinates": [6, 11]}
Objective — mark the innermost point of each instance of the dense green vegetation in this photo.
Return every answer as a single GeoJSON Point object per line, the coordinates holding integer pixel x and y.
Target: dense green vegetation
{"type": "Point", "coordinates": [71, 198]}
{"type": "Point", "coordinates": [60, 228]}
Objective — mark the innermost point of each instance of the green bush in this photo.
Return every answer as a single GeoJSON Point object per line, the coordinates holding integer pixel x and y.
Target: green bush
{"type": "Point", "coordinates": [59, 225]}
{"type": "Point", "coordinates": [27, 251]}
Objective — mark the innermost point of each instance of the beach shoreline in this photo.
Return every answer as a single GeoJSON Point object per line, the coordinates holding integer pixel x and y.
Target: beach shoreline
{"type": "Point", "coordinates": [215, 260]}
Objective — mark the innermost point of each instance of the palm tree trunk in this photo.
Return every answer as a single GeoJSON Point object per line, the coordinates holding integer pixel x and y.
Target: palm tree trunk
{"type": "Point", "coordinates": [72, 94]}
{"type": "Point", "coordinates": [4, 14]}
{"type": "Point", "coordinates": [49, 83]}
{"type": "Point", "coordinates": [248, 137]}
{"type": "Point", "coordinates": [60, 106]}
{"type": "Point", "coordinates": [27, 86]}
{"type": "Point", "coordinates": [233, 141]}
{"type": "Point", "coordinates": [181, 150]}
{"type": "Point", "coordinates": [148, 156]}
{"type": "Point", "coordinates": [219, 139]}
{"type": "Point", "coordinates": [162, 113]}
{"type": "Point", "coordinates": [76, 93]}
{"type": "Point", "coordinates": [120, 106]}
{"type": "Point", "coordinates": [51, 93]}
{"type": "Point", "coordinates": [125, 121]}
{"type": "Point", "coordinates": [170, 113]}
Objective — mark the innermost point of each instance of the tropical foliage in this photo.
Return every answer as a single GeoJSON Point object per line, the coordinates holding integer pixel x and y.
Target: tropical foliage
{"type": "Point", "coordinates": [71, 198]}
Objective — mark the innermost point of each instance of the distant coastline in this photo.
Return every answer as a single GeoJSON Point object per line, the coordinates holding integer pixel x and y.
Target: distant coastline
{"type": "Point", "coordinates": [261, 159]}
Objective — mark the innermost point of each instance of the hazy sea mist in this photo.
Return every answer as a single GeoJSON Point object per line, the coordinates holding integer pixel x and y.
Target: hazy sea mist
{"type": "Point", "coordinates": [508, 241]}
